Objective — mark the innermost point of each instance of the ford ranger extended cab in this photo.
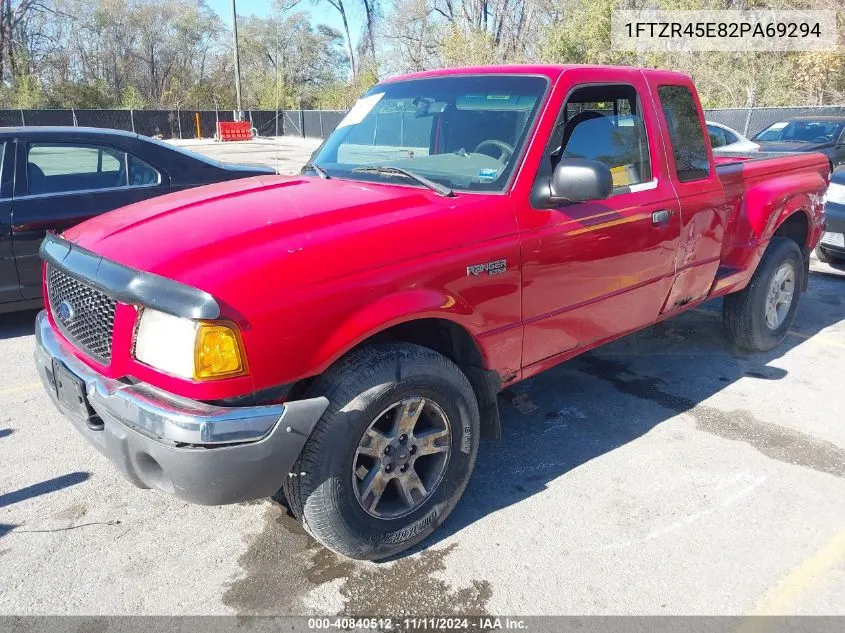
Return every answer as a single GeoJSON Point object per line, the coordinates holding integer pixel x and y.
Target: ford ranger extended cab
{"type": "Point", "coordinates": [338, 338]}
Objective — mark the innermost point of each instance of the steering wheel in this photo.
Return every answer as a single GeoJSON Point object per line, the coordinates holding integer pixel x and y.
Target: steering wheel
{"type": "Point", "coordinates": [821, 139]}
{"type": "Point", "coordinates": [505, 149]}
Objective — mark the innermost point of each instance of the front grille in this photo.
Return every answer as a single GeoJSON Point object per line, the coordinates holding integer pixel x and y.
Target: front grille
{"type": "Point", "coordinates": [83, 314]}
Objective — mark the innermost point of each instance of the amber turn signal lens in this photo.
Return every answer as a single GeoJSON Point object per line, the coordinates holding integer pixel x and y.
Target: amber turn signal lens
{"type": "Point", "coordinates": [218, 353]}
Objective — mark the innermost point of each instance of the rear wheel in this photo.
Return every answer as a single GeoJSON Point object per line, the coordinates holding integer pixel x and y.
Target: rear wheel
{"type": "Point", "coordinates": [758, 317]}
{"type": "Point", "coordinates": [391, 455]}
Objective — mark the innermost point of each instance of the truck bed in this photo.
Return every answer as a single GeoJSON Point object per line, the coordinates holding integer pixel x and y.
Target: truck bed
{"type": "Point", "coordinates": [740, 171]}
{"type": "Point", "coordinates": [750, 182]}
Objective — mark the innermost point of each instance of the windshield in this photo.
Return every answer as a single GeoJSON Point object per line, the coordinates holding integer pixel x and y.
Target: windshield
{"type": "Point", "coordinates": [801, 131]}
{"type": "Point", "coordinates": [464, 132]}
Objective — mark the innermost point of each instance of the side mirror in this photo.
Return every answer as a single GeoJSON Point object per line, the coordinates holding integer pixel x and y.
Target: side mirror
{"type": "Point", "coordinates": [578, 180]}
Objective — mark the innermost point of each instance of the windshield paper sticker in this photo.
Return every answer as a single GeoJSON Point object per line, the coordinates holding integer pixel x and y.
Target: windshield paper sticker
{"type": "Point", "coordinates": [360, 110]}
{"type": "Point", "coordinates": [488, 174]}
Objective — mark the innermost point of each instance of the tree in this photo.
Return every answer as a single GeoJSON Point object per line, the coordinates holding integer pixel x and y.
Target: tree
{"type": "Point", "coordinates": [288, 52]}
{"type": "Point", "coordinates": [340, 7]}
{"type": "Point", "coordinates": [148, 53]}
{"type": "Point", "coordinates": [23, 36]}
{"type": "Point", "coordinates": [368, 44]}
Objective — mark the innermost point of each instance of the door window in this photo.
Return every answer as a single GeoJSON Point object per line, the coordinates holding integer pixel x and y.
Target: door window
{"type": "Point", "coordinates": [605, 124]}
{"type": "Point", "coordinates": [685, 132]}
{"type": "Point", "coordinates": [730, 137]}
{"type": "Point", "coordinates": [141, 174]}
{"type": "Point", "coordinates": [717, 135]}
{"type": "Point", "coordinates": [65, 168]}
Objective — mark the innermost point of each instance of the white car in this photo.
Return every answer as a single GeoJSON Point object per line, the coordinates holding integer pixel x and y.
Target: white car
{"type": "Point", "coordinates": [724, 139]}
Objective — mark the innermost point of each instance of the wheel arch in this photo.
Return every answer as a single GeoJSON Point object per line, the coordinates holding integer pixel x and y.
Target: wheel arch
{"type": "Point", "coordinates": [436, 320]}
{"type": "Point", "coordinates": [795, 225]}
{"type": "Point", "coordinates": [456, 343]}
{"type": "Point", "coordinates": [771, 202]}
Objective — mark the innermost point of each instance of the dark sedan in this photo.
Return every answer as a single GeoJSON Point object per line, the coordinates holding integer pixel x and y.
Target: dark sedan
{"type": "Point", "coordinates": [825, 134]}
{"type": "Point", "coordinates": [831, 250]}
{"type": "Point", "coordinates": [55, 177]}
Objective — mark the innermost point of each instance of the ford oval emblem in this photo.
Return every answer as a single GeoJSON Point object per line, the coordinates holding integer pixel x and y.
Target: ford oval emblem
{"type": "Point", "coordinates": [65, 311]}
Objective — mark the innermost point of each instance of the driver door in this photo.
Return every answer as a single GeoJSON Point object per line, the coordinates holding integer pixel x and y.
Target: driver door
{"type": "Point", "coordinates": [596, 269]}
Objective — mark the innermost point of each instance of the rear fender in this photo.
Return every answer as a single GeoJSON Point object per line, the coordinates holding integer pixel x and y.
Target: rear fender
{"type": "Point", "coordinates": [768, 204]}
{"type": "Point", "coordinates": [765, 207]}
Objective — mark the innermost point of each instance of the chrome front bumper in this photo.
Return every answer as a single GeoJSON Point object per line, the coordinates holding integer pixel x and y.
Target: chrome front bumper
{"type": "Point", "coordinates": [198, 452]}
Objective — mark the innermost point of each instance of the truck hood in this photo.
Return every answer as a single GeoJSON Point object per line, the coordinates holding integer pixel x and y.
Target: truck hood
{"type": "Point", "coordinates": [219, 234]}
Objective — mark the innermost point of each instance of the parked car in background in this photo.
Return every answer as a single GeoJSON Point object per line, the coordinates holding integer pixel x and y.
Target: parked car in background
{"type": "Point", "coordinates": [725, 139]}
{"type": "Point", "coordinates": [342, 334]}
{"type": "Point", "coordinates": [55, 177]}
{"type": "Point", "coordinates": [825, 134]}
{"type": "Point", "coordinates": [831, 249]}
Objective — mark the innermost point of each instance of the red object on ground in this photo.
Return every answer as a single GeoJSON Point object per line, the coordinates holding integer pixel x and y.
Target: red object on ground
{"type": "Point", "coordinates": [234, 130]}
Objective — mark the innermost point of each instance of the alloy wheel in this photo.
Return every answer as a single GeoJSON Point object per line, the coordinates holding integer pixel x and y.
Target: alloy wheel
{"type": "Point", "coordinates": [780, 295]}
{"type": "Point", "coordinates": [401, 458]}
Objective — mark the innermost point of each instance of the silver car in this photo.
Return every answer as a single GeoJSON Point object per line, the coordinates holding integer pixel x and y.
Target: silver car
{"type": "Point", "coordinates": [724, 139]}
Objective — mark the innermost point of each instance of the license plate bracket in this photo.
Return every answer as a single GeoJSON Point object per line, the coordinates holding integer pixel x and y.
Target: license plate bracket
{"type": "Point", "coordinates": [70, 390]}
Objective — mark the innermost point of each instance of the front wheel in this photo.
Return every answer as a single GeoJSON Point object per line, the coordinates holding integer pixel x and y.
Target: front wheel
{"type": "Point", "coordinates": [391, 455]}
{"type": "Point", "coordinates": [758, 317]}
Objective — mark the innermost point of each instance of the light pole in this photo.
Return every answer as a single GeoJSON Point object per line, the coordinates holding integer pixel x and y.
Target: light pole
{"type": "Point", "coordinates": [240, 114]}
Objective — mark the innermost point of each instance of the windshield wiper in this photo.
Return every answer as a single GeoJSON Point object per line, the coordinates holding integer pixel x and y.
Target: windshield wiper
{"type": "Point", "coordinates": [404, 173]}
{"type": "Point", "coordinates": [322, 173]}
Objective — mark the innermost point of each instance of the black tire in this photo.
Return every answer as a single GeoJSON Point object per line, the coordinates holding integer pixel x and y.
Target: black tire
{"type": "Point", "coordinates": [359, 387]}
{"type": "Point", "coordinates": [831, 259]}
{"type": "Point", "coordinates": [744, 312]}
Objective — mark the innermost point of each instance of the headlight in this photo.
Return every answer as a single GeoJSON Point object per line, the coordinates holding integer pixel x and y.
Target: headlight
{"type": "Point", "coordinates": [835, 193]}
{"type": "Point", "coordinates": [199, 350]}
{"type": "Point", "coordinates": [217, 352]}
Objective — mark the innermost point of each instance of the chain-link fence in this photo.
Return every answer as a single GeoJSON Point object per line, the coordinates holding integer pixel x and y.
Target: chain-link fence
{"type": "Point", "coordinates": [180, 123]}
{"type": "Point", "coordinates": [316, 123]}
{"type": "Point", "coordinates": [749, 121]}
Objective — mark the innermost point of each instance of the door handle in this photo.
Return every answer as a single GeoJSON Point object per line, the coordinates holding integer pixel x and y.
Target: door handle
{"type": "Point", "coordinates": [661, 217]}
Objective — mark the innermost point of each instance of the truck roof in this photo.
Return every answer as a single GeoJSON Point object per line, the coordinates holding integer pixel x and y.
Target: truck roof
{"type": "Point", "coordinates": [552, 71]}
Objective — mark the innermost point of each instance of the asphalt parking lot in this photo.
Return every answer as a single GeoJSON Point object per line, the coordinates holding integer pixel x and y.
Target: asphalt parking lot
{"type": "Point", "coordinates": [667, 473]}
{"type": "Point", "coordinates": [286, 154]}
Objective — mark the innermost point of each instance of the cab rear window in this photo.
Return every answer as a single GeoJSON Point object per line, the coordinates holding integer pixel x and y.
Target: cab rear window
{"type": "Point", "coordinates": [685, 132]}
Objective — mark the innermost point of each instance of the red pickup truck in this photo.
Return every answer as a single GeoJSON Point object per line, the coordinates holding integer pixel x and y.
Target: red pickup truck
{"type": "Point", "coordinates": [342, 334]}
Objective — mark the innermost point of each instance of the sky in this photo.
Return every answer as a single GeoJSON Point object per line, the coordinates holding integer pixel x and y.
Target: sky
{"type": "Point", "coordinates": [321, 13]}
